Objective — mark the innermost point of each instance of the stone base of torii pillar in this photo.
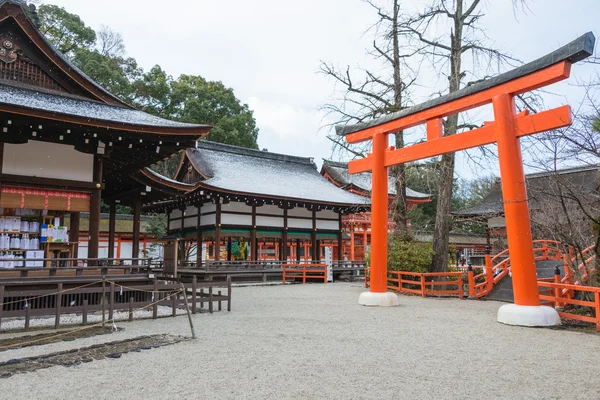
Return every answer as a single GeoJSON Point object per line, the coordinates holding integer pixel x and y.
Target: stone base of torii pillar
{"type": "Point", "coordinates": [374, 299]}
{"type": "Point", "coordinates": [513, 314]}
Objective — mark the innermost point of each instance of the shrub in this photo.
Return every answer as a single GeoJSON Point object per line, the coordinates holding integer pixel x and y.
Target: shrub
{"type": "Point", "coordinates": [406, 254]}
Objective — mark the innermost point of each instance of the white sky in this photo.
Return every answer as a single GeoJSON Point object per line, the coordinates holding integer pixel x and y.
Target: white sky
{"type": "Point", "coordinates": [269, 51]}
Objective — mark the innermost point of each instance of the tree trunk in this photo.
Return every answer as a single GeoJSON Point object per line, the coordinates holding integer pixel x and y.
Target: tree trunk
{"type": "Point", "coordinates": [441, 235]}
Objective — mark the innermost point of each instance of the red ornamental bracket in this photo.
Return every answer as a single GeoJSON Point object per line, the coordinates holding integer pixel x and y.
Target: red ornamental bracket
{"type": "Point", "coordinates": [506, 130]}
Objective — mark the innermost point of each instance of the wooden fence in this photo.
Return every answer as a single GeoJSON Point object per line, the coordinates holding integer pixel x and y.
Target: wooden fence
{"type": "Point", "coordinates": [304, 271]}
{"type": "Point", "coordinates": [106, 296]}
{"type": "Point", "coordinates": [557, 294]}
{"type": "Point", "coordinates": [424, 284]}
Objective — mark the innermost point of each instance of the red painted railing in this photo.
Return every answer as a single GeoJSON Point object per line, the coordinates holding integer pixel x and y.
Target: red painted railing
{"type": "Point", "coordinates": [556, 295]}
{"type": "Point", "coordinates": [305, 271]}
{"type": "Point", "coordinates": [424, 284]}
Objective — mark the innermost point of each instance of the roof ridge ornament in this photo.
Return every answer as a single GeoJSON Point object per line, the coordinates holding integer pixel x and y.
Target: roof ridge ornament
{"type": "Point", "coordinates": [8, 51]}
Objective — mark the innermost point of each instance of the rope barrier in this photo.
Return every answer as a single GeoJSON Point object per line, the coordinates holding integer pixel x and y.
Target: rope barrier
{"type": "Point", "coordinates": [50, 294]}
{"type": "Point", "coordinates": [88, 326]}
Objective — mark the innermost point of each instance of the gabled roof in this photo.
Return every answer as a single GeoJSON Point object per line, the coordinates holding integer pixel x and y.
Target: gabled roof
{"type": "Point", "coordinates": [12, 10]}
{"type": "Point", "coordinates": [245, 171]}
{"type": "Point", "coordinates": [338, 171]}
{"type": "Point", "coordinates": [582, 182]}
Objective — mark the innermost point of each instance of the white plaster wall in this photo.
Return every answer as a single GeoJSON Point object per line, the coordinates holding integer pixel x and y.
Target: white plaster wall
{"type": "Point", "coordinates": [190, 222]}
{"type": "Point", "coordinates": [47, 160]}
{"type": "Point", "coordinates": [269, 209]}
{"type": "Point", "coordinates": [299, 223]}
{"type": "Point", "coordinates": [331, 225]}
{"type": "Point", "coordinates": [269, 221]}
{"type": "Point", "coordinates": [236, 219]}
{"type": "Point", "coordinates": [175, 214]}
{"type": "Point", "coordinates": [209, 207]}
{"type": "Point", "coordinates": [327, 214]}
{"type": "Point", "coordinates": [208, 219]}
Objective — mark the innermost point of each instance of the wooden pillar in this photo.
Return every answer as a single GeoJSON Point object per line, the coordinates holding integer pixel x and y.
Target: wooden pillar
{"type": "Point", "coordinates": [516, 210]}
{"type": "Point", "coordinates": [112, 221]}
{"type": "Point", "coordinates": [229, 248]}
{"type": "Point", "coordinates": [284, 236]}
{"type": "Point", "coordinates": [259, 251]}
{"type": "Point", "coordinates": [74, 231]}
{"type": "Point", "coordinates": [379, 215]}
{"type": "Point", "coordinates": [352, 243]}
{"type": "Point", "coordinates": [297, 250]}
{"type": "Point", "coordinates": [199, 238]}
{"type": "Point", "coordinates": [253, 241]}
{"type": "Point", "coordinates": [218, 231]}
{"type": "Point", "coordinates": [94, 221]}
{"type": "Point", "coordinates": [340, 239]}
{"type": "Point", "coordinates": [137, 208]}
{"type": "Point", "coordinates": [313, 237]}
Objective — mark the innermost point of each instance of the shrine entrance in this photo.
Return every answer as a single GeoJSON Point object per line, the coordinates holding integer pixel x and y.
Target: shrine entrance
{"type": "Point", "coordinates": [506, 130]}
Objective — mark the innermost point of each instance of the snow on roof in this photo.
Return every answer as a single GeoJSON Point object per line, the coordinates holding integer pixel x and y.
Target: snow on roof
{"type": "Point", "coordinates": [39, 100]}
{"type": "Point", "coordinates": [258, 172]}
{"type": "Point", "coordinates": [339, 172]}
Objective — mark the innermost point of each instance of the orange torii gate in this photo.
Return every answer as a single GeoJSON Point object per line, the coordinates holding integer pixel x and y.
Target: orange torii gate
{"type": "Point", "coordinates": [505, 130]}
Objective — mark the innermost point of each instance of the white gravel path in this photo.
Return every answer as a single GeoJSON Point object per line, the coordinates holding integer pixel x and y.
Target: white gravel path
{"type": "Point", "coordinates": [314, 341]}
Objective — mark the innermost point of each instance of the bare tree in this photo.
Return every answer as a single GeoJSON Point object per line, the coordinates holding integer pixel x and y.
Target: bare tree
{"type": "Point", "coordinates": [110, 42]}
{"type": "Point", "coordinates": [376, 93]}
{"type": "Point", "coordinates": [447, 51]}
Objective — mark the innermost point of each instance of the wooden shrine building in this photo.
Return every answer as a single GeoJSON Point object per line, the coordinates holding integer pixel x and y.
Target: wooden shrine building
{"type": "Point", "coordinates": [278, 206]}
{"type": "Point", "coordinates": [66, 143]}
{"type": "Point", "coordinates": [357, 226]}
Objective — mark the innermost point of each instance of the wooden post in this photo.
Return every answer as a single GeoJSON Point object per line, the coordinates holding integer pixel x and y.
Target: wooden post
{"type": "Point", "coordinates": [155, 297]}
{"type": "Point", "coordinates": [135, 245]}
{"type": "Point", "coordinates": [85, 312]}
{"type": "Point", "coordinates": [74, 234]}
{"type": "Point", "coordinates": [103, 300]}
{"type": "Point", "coordinates": [58, 304]}
{"type": "Point", "coordinates": [174, 304]}
{"type": "Point", "coordinates": [112, 222]}
{"type": "Point", "coordinates": [284, 236]}
{"type": "Point", "coordinates": [187, 309]}
{"type": "Point", "coordinates": [340, 240]}
{"type": "Point", "coordinates": [219, 295]}
{"type": "Point", "coordinates": [597, 301]}
{"type": "Point", "coordinates": [298, 250]}
{"type": "Point", "coordinates": [352, 257]}
{"type": "Point", "coordinates": [1, 287]}
{"type": "Point", "coordinates": [210, 296]}
{"type": "Point", "coordinates": [131, 309]}
{"type": "Point", "coordinates": [423, 287]}
{"type": "Point", "coordinates": [379, 215]}
{"type": "Point", "coordinates": [471, 282]}
{"type": "Point", "coordinates": [194, 288]}
{"type": "Point", "coordinates": [111, 301]}
{"type": "Point", "coordinates": [489, 270]}
{"type": "Point", "coordinates": [253, 240]}
{"type": "Point", "coordinates": [218, 231]}
{"type": "Point", "coordinates": [313, 237]}
{"type": "Point", "coordinates": [94, 221]}
{"type": "Point", "coordinates": [27, 316]}
{"type": "Point", "coordinates": [229, 294]}
{"type": "Point", "coordinates": [558, 291]}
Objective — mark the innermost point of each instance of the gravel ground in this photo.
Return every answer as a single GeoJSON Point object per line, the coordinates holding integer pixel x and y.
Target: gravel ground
{"type": "Point", "coordinates": [314, 341]}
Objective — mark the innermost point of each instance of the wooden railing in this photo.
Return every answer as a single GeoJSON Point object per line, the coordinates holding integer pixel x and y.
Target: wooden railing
{"type": "Point", "coordinates": [20, 300]}
{"type": "Point", "coordinates": [554, 296]}
{"type": "Point", "coordinates": [423, 284]}
{"type": "Point", "coordinates": [304, 272]}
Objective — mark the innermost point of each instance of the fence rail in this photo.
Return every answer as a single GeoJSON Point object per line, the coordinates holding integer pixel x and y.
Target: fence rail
{"type": "Point", "coordinates": [554, 295]}
{"type": "Point", "coordinates": [106, 295]}
{"type": "Point", "coordinates": [304, 271]}
{"type": "Point", "coordinates": [423, 284]}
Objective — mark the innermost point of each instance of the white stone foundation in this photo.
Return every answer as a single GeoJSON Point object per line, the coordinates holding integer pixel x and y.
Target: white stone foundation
{"type": "Point", "coordinates": [512, 314]}
{"type": "Point", "coordinates": [385, 299]}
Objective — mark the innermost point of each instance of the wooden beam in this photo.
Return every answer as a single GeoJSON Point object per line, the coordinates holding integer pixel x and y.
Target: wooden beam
{"type": "Point", "coordinates": [525, 125]}
{"type": "Point", "coordinates": [340, 239]}
{"type": "Point", "coordinates": [552, 74]}
{"type": "Point", "coordinates": [49, 182]}
{"type": "Point", "coordinates": [253, 241]}
{"type": "Point", "coordinates": [1, 157]}
{"type": "Point", "coordinates": [199, 238]}
{"type": "Point", "coordinates": [284, 235]}
{"type": "Point", "coordinates": [313, 236]}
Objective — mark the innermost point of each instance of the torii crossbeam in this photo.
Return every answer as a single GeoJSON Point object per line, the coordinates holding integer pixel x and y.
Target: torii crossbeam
{"type": "Point", "coordinates": [505, 130]}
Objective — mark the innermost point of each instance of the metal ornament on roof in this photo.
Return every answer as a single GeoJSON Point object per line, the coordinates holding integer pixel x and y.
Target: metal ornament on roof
{"type": "Point", "coordinates": [8, 52]}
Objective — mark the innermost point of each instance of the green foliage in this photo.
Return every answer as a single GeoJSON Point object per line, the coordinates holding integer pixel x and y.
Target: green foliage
{"type": "Point", "coordinates": [157, 225]}
{"type": "Point", "coordinates": [65, 30]}
{"type": "Point", "coordinates": [406, 254]}
{"type": "Point", "coordinates": [188, 98]}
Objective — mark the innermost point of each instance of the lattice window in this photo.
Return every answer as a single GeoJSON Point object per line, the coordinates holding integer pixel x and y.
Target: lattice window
{"type": "Point", "coordinates": [26, 72]}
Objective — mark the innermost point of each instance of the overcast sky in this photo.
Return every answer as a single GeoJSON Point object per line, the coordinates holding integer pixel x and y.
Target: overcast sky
{"type": "Point", "coordinates": [269, 51]}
